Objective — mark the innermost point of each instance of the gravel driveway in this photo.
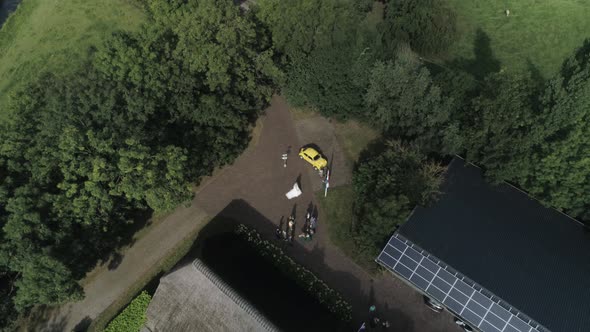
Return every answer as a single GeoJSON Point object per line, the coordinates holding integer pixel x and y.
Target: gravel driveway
{"type": "Point", "coordinates": [258, 181]}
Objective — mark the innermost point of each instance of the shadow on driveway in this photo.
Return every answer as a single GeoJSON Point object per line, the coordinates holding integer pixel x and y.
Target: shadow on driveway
{"type": "Point", "coordinates": [240, 212]}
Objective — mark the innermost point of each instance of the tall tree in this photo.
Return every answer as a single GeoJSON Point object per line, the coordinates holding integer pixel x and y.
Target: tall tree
{"type": "Point", "coordinates": [300, 26]}
{"type": "Point", "coordinates": [331, 80]}
{"type": "Point", "coordinates": [405, 102]}
{"type": "Point", "coordinates": [388, 183]}
{"type": "Point", "coordinates": [500, 130]}
{"type": "Point", "coordinates": [561, 177]}
{"type": "Point", "coordinates": [326, 48]}
{"type": "Point", "coordinates": [429, 26]}
{"type": "Point", "coordinates": [541, 143]}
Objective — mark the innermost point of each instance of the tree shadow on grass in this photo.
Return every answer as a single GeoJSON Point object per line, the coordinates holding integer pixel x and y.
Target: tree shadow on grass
{"type": "Point", "coordinates": [534, 71]}
{"type": "Point", "coordinates": [484, 62]}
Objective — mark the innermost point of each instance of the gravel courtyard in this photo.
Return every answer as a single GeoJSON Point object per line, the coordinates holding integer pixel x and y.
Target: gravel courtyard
{"type": "Point", "coordinates": [258, 181]}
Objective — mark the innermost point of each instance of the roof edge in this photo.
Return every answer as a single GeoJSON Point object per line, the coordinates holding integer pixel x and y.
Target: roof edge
{"type": "Point", "coordinates": [234, 296]}
{"type": "Point", "coordinates": [522, 191]}
{"type": "Point", "coordinates": [460, 276]}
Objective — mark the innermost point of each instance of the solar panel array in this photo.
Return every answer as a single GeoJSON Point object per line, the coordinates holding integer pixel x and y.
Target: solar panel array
{"type": "Point", "coordinates": [466, 299]}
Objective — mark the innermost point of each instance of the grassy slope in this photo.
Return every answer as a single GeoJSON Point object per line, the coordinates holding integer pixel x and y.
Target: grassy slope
{"type": "Point", "coordinates": [542, 31]}
{"type": "Point", "coordinates": [55, 35]}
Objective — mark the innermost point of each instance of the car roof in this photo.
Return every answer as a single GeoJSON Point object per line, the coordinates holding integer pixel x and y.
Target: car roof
{"type": "Point", "coordinates": [311, 152]}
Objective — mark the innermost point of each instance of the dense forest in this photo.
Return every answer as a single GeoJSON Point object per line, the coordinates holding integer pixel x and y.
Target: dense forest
{"type": "Point", "coordinates": [85, 156]}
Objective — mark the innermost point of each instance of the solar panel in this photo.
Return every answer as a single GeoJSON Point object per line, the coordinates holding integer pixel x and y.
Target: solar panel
{"type": "Point", "coordinates": [465, 298]}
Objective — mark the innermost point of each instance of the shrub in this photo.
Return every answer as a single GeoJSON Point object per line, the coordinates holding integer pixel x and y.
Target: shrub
{"type": "Point", "coordinates": [405, 102]}
{"type": "Point", "coordinates": [133, 317]}
{"type": "Point", "coordinates": [387, 185]}
{"type": "Point", "coordinates": [328, 297]}
{"type": "Point", "coordinates": [429, 26]}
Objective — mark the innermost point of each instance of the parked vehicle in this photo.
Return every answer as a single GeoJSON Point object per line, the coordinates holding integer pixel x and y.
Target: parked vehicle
{"type": "Point", "coordinates": [463, 325]}
{"type": "Point", "coordinates": [313, 157]}
{"type": "Point", "coordinates": [432, 304]}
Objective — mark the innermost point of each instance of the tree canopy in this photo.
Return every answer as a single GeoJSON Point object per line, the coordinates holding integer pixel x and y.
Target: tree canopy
{"type": "Point", "coordinates": [85, 155]}
{"type": "Point", "coordinates": [536, 135]}
{"type": "Point", "coordinates": [388, 182]}
{"type": "Point", "coordinates": [561, 158]}
{"type": "Point", "coordinates": [403, 99]}
{"type": "Point", "coordinates": [499, 131]}
{"type": "Point", "coordinates": [429, 26]}
{"type": "Point", "coordinates": [326, 48]}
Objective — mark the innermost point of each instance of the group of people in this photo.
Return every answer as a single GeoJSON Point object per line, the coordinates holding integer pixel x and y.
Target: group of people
{"type": "Point", "coordinates": [309, 227]}
{"type": "Point", "coordinates": [287, 232]}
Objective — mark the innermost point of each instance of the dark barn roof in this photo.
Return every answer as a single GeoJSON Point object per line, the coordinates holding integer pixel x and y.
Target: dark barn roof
{"type": "Point", "coordinates": [535, 258]}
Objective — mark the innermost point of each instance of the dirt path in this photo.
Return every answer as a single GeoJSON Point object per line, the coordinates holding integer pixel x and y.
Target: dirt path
{"type": "Point", "coordinates": [259, 180]}
{"type": "Point", "coordinates": [108, 285]}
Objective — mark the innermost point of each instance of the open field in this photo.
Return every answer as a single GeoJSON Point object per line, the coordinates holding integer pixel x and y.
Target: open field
{"type": "Point", "coordinates": [539, 33]}
{"type": "Point", "coordinates": [56, 35]}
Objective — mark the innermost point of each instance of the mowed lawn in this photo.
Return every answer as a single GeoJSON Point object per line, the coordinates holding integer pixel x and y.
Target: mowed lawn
{"type": "Point", "coordinates": [539, 33]}
{"type": "Point", "coordinates": [56, 35]}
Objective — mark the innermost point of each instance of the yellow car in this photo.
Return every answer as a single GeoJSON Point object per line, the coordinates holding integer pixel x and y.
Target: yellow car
{"type": "Point", "coordinates": [313, 157]}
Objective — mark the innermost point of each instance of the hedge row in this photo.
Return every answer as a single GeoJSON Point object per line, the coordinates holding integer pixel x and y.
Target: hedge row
{"type": "Point", "coordinates": [132, 318]}
{"type": "Point", "coordinates": [328, 297]}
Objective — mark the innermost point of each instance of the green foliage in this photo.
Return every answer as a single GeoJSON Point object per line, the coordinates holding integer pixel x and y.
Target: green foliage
{"type": "Point", "coordinates": [365, 5]}
{"type": "Point", "coordinates": [539, 34]}
{"type": "Point", "coordinates": [45, 280]}
{"type": "Point", "coordinates": [429, 26]}
{"type": "Point", "coordinates": [85, 154]}
{"type": "Point", "coordinates": [57, 36]}
{"type": "Point", "coordinates": [503, 119]}
{"type": "Point", "coordinates": [326, 48]}
{"type": "Point", "coordinates": [303, 277]}
{"type": "Point", "coordinates": [132, 318]}
{"type": "Point", "coordinates": [300, 26]}
{"type": "Point", "coordinates": [403, 100]}
{"type": "Point", "coordinates": [458, 85]}
{"type": "Point", "coordinates": [538, 137]}
{"type": "Point", "coordinates": [330, 80]}
{"type": "Point", "coordinates": [560, 167]}
{"type": "Point", "coordinates": [388, 183]}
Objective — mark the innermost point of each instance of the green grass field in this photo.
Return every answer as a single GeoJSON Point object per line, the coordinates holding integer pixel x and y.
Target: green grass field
{"type": "Point", "coordinates": [56, 35]}
{"type": "Point", "coordinates": [538, 33]}
{"type": "Point", "coordinates": [338, 217]}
